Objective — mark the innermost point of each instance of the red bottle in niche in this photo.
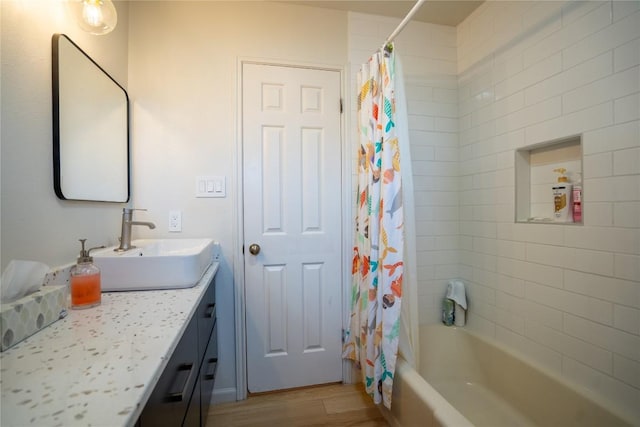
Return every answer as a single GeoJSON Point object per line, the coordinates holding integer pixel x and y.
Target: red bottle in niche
{"type": "Point", "coordinates": [577, 203]}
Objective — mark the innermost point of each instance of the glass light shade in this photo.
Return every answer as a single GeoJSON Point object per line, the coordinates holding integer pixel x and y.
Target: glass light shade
{"type": "Point", "coordinates": [96, 16]}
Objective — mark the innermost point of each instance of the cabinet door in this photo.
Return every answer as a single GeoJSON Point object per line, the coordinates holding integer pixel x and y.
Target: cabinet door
{"type": "Point", "coordinates": [206, 315]}
{"type": "Point", "coordinates": [170, 399]}
{"type": "Point", "coordinates": [208, 375]}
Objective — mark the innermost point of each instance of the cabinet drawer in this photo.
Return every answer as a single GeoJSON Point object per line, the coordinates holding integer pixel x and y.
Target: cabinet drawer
{"type": "Point", "coordinates": [206, 315]}
{"type": "Point", "coordinates": [170, 399]}
{"type": "Point", "coordinates": [208, 375]}
{"type": "Point", "coordinates": [192, 417]}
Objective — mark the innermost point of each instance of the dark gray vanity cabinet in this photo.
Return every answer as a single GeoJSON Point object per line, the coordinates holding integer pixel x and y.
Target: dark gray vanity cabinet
{"type": "Point", "coordinates": [208, 347]}
{"type": "Point", "coordinates": [183, 392]}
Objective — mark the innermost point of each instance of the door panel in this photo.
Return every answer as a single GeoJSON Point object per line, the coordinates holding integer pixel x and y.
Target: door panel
{"type": "Point", "coordinates": [292, 209]}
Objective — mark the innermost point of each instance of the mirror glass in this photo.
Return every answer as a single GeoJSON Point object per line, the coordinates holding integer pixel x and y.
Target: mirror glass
{"type": "Point", "coordinates": [90, 128]}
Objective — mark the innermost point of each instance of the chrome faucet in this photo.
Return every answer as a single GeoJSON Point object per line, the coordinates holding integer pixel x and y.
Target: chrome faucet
{"type": "Point", "coordinates": [127, 222]}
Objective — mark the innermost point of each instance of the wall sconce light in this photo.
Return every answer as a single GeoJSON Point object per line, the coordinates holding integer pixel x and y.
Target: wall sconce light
{"type": "Point", "coordinates": [95, 16]}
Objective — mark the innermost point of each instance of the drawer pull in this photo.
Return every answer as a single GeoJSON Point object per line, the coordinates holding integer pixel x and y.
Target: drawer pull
{"type": "Point", "coordinates": [184, 370]}
{"type": "Point", "coordinates": [213, 361]}
{"type": "Point", "coordinates": [211, 308]}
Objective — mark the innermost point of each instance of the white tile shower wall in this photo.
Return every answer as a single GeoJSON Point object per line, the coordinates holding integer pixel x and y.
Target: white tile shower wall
{"type": "Point", "coordinates": [566, 295]}
{"type": "Point", "coordinates": [430, 71]}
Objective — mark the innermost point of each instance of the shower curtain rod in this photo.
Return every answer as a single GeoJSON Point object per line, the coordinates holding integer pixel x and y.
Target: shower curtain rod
{"type": "Point", "coordinates": [404, 22]}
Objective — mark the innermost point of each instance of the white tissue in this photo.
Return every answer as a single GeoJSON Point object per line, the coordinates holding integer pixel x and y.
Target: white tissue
{"type": "Point", "coordinates": [456, 293]}
{"type": "Point", "coordinates": [21, 278]}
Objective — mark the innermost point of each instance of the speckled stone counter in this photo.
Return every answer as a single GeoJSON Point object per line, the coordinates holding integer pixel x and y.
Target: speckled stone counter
{"type": "Point", "coordinates": [96, 367]}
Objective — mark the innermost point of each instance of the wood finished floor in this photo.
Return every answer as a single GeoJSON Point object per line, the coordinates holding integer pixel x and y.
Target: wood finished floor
{"type": "Point", "coordinates": [328, 405]}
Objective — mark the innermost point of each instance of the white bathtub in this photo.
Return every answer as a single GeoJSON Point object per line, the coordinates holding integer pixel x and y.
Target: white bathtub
{"type": "Point", "coordinates": [468, 381]}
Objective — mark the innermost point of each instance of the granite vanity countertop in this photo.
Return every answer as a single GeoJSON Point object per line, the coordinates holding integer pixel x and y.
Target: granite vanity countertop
{"type": "Point", "coordinates": [96, 367]}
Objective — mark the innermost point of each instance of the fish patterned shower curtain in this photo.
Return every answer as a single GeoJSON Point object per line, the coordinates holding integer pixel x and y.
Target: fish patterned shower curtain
{"type": "Point", "coordinates": [371, 340]}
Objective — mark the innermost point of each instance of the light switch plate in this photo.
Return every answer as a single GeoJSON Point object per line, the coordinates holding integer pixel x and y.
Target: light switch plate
{"type": "Point", "coordinates": [211, 186]}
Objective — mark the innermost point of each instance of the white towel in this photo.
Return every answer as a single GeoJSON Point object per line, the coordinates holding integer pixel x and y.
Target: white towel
{"type": "Point", "coordinates": [456, 293]}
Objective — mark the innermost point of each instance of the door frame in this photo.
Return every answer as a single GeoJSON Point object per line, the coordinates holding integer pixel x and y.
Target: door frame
{"type": "Point", "coordinates": [238, 226]}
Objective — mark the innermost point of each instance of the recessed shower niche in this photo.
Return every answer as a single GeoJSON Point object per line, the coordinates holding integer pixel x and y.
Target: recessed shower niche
{"type": "Point", "coordinates": [536, 175]}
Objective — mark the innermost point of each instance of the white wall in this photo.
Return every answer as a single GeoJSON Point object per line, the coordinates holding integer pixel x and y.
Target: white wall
{"type": "Point", "coordinates": [183, 76]}
{"type": "Point", "coordinates": [428, 55]}
{"type": "Point", "coordinates": [568, 296]}
{"type": "Point", "coordinates": [35, 224]}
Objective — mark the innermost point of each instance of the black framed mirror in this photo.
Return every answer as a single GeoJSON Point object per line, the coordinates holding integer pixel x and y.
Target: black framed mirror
{"type": "Point", "coordinates": [90, 128]}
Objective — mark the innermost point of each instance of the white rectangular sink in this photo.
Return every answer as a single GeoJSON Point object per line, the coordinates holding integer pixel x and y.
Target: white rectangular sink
{"type": "Point", "coordinates": [154, 264]}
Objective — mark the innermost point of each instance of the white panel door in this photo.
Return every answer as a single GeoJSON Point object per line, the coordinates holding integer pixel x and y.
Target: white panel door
{"type": "Point", "coordinates": [292, 210]}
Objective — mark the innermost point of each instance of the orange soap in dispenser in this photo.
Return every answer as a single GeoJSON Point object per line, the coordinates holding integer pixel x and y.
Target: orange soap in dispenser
{"type": "Point", "coordinates": [85, 281]}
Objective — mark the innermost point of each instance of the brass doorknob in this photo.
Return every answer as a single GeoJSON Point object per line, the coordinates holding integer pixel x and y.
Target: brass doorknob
{"type": "Point", "coordinates": [254, 249]}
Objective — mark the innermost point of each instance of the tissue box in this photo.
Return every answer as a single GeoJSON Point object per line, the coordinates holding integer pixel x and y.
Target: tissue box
{"type": "Point", "coordinates": [24, 317]}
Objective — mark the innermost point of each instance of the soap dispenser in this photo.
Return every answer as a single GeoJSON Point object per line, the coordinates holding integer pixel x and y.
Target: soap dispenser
{"type": "Point", "coordinates": [85, 281]}
{"type": "Point", "coordinates": [562, 197]}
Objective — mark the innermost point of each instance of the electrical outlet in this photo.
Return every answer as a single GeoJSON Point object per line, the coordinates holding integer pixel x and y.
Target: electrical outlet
{"type": "Point", "coordinates": [175, 221]}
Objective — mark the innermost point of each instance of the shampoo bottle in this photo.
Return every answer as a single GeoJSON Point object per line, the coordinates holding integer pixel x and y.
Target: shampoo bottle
{"type": "Point", "coordinates": [577, 200]}
{"type": "Point", "coordinates": [85, 281]}
{"type": "Point", "coordinates": [562, 198]}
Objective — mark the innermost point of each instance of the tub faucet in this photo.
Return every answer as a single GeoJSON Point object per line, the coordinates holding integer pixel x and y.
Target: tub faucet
{"type": "Point", "coordinates": [127, 222]}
